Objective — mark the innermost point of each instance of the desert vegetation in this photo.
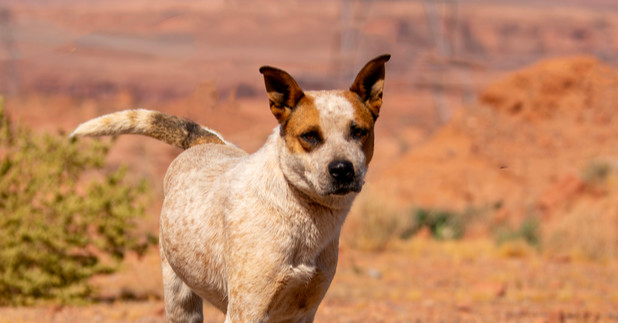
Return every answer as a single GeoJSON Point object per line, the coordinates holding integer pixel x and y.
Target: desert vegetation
{"type": "Point", "coordinates": [64, 218]}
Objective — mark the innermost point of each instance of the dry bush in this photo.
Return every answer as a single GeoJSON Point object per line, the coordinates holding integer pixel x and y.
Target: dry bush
{"type": "Point", "coordinates": [527, 232]}
{"type": "Point", "coordinates": [587, 226]}
{"type": "Point", "coordinates": [372, 223]}
{"type": "Point", "coordinates": [585, 231]}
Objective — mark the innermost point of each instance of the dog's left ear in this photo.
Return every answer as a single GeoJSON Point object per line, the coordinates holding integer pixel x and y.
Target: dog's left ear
{"type": "Point", "coordinates": [369, 83]}
{"type": "Point", "coordinates": [283, 91]}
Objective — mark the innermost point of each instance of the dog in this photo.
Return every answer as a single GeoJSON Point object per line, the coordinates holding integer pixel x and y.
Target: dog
{"type": "Point", "coordinates": [257, 235]}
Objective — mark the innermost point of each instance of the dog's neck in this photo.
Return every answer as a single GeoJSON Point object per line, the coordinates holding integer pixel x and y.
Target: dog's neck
{"type": "Point", "coordinates": [319, 217]}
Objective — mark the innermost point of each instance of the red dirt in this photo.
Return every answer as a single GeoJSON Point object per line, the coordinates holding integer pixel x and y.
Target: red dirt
{"type": "Point", "coordinates": [426, 282]}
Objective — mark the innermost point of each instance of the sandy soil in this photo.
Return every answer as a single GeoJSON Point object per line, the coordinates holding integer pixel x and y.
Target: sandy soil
{"type": "Point", "coordinates": [421, 281]}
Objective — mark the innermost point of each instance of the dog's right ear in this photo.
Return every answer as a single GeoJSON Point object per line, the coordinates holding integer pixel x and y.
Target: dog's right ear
{"type": "Point", "coordinates": [283, 92]}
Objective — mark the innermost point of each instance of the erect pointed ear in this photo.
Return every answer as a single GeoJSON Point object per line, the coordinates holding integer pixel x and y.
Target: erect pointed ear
{"type": "Point", "coordinates": [283, 92]}
{"type": "Point", "coordinates": [369, 83]}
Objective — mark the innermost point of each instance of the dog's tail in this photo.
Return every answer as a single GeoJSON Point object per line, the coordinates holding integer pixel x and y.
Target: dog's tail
{"type": "Point", "coordinates": [180, 132]}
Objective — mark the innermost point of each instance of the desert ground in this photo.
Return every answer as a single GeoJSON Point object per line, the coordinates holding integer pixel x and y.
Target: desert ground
{"type": "Point", "coordinates": [500, 114]}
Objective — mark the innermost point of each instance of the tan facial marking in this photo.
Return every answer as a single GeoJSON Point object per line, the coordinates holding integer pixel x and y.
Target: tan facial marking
{"type": "Point", "coordinates": [305, 118]}
{"type": "Point", "coordinates": [363, 119]}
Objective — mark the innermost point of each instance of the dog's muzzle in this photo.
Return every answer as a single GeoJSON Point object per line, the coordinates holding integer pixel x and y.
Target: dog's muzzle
{"type": "Point", "coordinates": [344, 178]}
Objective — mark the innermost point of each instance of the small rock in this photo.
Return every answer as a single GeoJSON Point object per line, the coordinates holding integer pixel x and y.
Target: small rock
{"type": "Point", "coordinates": [374, 273]}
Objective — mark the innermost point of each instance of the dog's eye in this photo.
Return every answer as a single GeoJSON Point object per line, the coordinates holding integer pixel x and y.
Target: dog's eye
{"type": "Point", "coordinates": [311, 137]}
{"type": "Point", "coordinates": [358, 133]}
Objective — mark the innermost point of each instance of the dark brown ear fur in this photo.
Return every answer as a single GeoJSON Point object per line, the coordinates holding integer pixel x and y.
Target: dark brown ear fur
{"type": "Point", "coordinates": [283, 92]}
{"type": "Point", "coordinates": [369, 83]}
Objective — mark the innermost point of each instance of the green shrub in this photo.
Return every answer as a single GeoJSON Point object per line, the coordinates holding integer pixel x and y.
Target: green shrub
{"type": "Point", "coordinates": [443, 225]}
{"type": "Point", "coordinates": [62, 220]}
{"type": "Point", "coordinates": [596, 174]}
{"type": "Point", "coordinates": [528, 231]}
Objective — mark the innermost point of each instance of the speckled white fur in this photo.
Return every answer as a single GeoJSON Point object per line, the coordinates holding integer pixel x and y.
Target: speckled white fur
{"type": "Point", "coordinates": [257, 235]}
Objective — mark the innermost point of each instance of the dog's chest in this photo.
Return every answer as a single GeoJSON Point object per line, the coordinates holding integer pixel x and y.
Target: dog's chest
{"type": "Point", "coordinates": [314, 261]}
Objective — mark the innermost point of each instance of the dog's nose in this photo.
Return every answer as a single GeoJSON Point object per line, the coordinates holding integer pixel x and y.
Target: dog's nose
{"type": "Point", "coordinates": [341, 170]}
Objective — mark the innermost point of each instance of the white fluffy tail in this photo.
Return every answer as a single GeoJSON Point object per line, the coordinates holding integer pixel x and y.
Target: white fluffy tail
{"type": "Point", "coordinates": [182, 133]}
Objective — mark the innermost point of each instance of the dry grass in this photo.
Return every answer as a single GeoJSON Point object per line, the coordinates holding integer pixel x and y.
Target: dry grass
{"type": "Point", "coordinates": [587, 231]}
{"type": "Point", "coordinates": [587, 226]}
{"type": "Point", "coordinates": [372, 224]}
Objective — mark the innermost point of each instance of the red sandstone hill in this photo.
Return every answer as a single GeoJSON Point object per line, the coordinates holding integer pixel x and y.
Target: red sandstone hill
{"type": "Point", "coordinates": [541, 142]}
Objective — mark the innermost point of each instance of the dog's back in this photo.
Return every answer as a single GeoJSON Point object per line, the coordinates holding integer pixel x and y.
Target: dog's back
{"type": "Point", "coordinates": [201, 162]}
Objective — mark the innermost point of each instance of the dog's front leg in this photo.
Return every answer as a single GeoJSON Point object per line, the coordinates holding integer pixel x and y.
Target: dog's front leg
{"type": "Point", "coordinates": [246, 314]}
{"type": "Point", "coordinates": [259, 294]}
{"type": "Point", "coordinates": [307, 318]}
{"type": "Point", "coordinates": [247, 306]}
{"type": "Point", "coordinates": [284, 294]}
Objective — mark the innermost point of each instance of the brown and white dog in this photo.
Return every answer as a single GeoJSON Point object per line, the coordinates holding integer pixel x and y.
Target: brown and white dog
{"type": "Point", "coordinates": [257, 235]}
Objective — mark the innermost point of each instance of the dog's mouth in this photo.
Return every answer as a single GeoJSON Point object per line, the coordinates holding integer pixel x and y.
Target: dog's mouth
{"type": "Point", "coordinates": [345, 189]}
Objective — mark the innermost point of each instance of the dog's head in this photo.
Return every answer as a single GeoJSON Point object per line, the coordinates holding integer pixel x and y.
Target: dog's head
{"type": "Point", "coordinates": [327, 136]}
